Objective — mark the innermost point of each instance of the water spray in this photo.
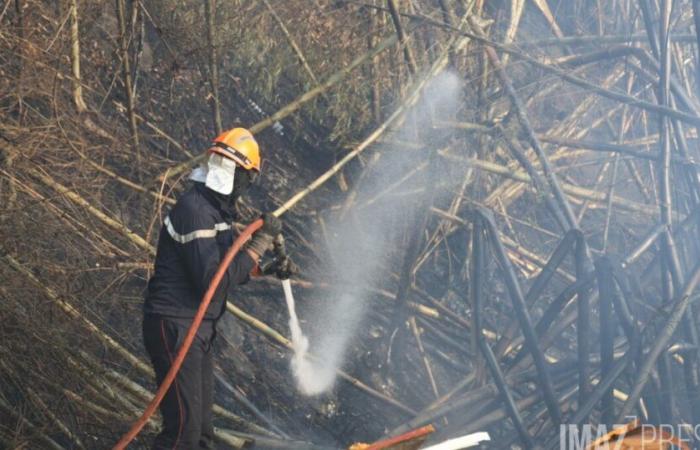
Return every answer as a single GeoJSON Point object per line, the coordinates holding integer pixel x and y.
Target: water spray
{"type": "Point", "coordinates": [307, 379]}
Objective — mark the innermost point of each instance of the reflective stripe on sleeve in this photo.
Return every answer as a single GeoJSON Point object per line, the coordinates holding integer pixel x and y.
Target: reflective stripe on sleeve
{"type": "Point", "coordinates": [196, 234]}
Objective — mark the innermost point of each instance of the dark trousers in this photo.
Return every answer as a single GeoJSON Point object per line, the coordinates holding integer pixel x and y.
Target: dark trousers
{"type": "Point", "coordinates": [187, 406]}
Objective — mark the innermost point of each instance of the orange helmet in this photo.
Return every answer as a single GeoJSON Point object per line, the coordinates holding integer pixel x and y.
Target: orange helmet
{"type": "Point", "coordinates": [239, 145]}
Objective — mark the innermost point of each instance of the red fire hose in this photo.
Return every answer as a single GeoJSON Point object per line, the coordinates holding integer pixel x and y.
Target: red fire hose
{"type": "Point", "coordinates": [187, 343]}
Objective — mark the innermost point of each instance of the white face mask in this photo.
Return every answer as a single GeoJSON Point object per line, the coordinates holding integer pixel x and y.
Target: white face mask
{"type": "Point", "coordinates": [220, 174]}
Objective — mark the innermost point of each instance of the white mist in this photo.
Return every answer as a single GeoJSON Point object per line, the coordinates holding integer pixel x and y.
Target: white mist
{"type": "Point", "coordinates": [363, 243]}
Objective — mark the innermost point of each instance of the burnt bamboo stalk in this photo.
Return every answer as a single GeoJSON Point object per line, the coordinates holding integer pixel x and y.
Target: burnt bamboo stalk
{"type": "Point", "coordinates": [407, 52]}
{"type": "Point", "coordinates": [583, 326]}
{"type": "Point", "coordinates": [486, 393]}
{"type": "Point", "coordinates": [598, 179]}
{"type": "Point", "coordinates": [537, 181]}
{"type": "Point", "coordinates": [649, 21]}
{"type": "Point", "coordinates": [548, 271]}
{"type": "Point", "coordinates": [644, 245]}
{"type": "Point", "coordinates": [81, 228]}
{"type": "Point", "coordinates": [523, 316]}
{"type": "Point", "coordinates": [632, 169]}
{"type": "Point", "coordinates": [556, 306]}
{"type": "Point", "coordinates": [506, 396]}
{"type": "Point", "coordinates": [75, 58]}
{"type": "Point", "coordinates": [584, 284]}
{"type": "Point", "coordinates": [661, 341]}
{"type": "Point", "coordinates": [606, 291]}
{"type": "Point", "coordinates": [689, 170]}
{"type": "Point", "coordinates": [664, 164]}
{"type": "Point", "coordinates": [516, 13]}
{"type": "Point", "coordinates": [532, 139]}
{"type": "Point", "coordinates": [128, 85]}
{"type": "Point", "coordinates": [621, 302]}
{"type": "Point", "coordinates": [541, 281]}
{"type": "Point", "coordinates": [210, 13]}
{"type": "Point", "coordinates": [159, 132]}
{"type": "Point", "coordinates": [603, 386]}
{"type": "Point", "coordinates": [609, 206]}
{"type": "Point", "coordinates": [544, 8]}
{"type": "Point", "coordinates": [101, 391]}
{"type": "Point", "coordinates": [124, 181]}
{"type": "Point", "coordinates": [668, 402]}
{"type": "Point", "coordinates": [690, 365]}
{"type": "Point", "coordinates": [477, 271]}
{"type": "Point", "coordinates": [669, 261]}
{"type": "Point", "coordinates": [485, 418]}
{"type": "Point", "coordinates": [683, 227]}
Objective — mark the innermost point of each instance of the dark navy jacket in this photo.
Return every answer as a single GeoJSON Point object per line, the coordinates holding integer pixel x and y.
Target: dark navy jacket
{"type": "Point", "coordinates": [193, 240]}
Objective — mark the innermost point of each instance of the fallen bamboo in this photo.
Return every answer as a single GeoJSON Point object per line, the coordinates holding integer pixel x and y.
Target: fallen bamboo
{"type": "Point", "coordinates": [135, 362]}
{"type": "Point", "coordinates": [102, 217]}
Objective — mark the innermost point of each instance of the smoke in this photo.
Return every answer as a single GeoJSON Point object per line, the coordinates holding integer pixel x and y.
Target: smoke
{"type": "Point", "coordinates": [365, 239]}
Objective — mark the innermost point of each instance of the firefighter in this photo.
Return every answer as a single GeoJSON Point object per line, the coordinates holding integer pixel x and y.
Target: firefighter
{"type": "Point", "coordinates": [193, 240]}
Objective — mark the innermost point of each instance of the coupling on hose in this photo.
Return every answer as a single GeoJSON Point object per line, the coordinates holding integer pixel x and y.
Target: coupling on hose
{"type": "Point", "coordinates": [281, 265]}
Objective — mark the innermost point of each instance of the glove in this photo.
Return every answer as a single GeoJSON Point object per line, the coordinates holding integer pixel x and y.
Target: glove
{"type": "Point", "coordinates": [283, 268]}
{"type": "Point", "coordinates": [271, 225]}
{"type": "Point", "coordinates": [263, 238]}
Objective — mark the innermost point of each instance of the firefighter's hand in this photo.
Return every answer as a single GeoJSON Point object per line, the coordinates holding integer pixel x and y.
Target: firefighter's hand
{"type": "Point", "coordinates": [271, 226]}
{"type": "Point", "coordinates": [263, 238]}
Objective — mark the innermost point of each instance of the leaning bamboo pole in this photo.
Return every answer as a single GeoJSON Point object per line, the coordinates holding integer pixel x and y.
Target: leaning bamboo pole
{"type": "Point", "coordinates": [75, 58]}
{"type": "Point", "coordinates": [128, 82]}
{"type": "Point", "coordinates": [297, 103]}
